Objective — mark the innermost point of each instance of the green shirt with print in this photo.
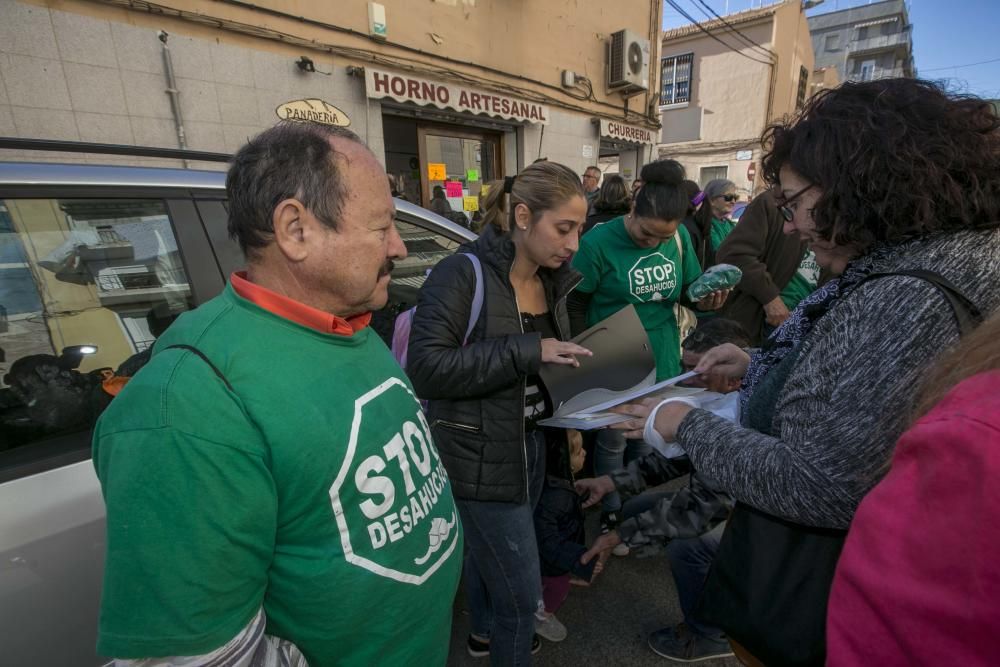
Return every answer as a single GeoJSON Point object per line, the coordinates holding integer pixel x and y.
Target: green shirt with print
{"type": "Point", "coordinates": [803, 283]}
{"type": "Point", "coordinates": [617, 273]}
{"type": "Point", "coordinates": [312, 489]}
{"type": "Point", "coordinates": [719, 231]}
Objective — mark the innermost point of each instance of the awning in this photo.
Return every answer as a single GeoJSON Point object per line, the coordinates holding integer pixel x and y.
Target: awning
{"type": "Point", "coordinates": [891, 19]}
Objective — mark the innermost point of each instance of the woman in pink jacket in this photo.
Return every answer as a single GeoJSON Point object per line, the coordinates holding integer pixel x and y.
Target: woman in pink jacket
{"type": "Point", "coordinates": [918, 581]}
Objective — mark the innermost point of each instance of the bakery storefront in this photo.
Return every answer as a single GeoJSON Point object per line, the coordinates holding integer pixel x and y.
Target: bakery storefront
{"type": "Point", "coordinates": [625, 148]}
{"type": "Point", "coordinates": [448, 138]}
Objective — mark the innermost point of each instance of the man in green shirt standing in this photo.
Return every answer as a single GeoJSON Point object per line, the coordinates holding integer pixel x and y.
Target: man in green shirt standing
{"type": "Point", "coordinates": [273, 492]}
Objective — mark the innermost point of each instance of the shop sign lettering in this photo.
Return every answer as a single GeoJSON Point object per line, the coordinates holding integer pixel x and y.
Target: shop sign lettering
{"type": "Point", "coordinates": [406, 88]}
{"type": "Point", "coordinates": [632, 134]}
{"type": "Point", "coordinates": [312, 111]}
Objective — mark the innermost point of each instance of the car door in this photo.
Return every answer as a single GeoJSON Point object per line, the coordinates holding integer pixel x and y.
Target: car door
{"type": "Point", "coordinates": [88, 278]}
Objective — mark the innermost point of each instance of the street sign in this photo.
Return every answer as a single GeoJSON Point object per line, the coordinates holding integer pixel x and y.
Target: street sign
{"type": "Point", "coordinates": [751, 171]}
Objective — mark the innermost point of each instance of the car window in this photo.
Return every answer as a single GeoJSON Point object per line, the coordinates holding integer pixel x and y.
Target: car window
{"type": "Point", "coordinates": [425, 248]}
{"type": "Point", "coordinates": [86, 286]}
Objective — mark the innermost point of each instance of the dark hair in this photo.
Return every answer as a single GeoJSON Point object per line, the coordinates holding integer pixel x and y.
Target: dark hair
{"type": "Point", "coordinates": [692, 190]}
{"type": "Point", "coordinates": [541, 187]}
{"type": "Point", "coordinates": [613, 196]}
{"type": "Point", "coordinates": [893, 159]}
{"type": "Point", "coordinates": [714, 332]}
{"type": "Point", "coordinates": [441, 206]}
{"type": "Point", "coordinates": [662, 195]}
{"type": "Point", "coordinates": [289, 160]}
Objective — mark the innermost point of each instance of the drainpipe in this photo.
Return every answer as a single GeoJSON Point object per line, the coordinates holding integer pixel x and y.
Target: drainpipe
{"type": "Point", "coordinates": [175, 95]}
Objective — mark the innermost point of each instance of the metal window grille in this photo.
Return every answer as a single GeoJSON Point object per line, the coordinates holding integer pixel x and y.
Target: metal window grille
{"type": "Point", "coordinates": [675, 79]}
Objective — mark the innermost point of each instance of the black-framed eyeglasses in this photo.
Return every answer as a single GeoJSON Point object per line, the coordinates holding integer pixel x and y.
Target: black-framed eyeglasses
{"type": "Point", "coordinates": [787, 213]}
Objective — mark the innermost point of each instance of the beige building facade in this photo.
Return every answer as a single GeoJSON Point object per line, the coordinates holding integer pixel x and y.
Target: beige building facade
{"type": "Point", "coordinates": [448, 93]}
{"type": "Point", "coordinates": [719, 91]}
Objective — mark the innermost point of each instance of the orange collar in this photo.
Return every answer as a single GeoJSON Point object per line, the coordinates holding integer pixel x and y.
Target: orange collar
{"type": "Point", "coordinates": [297, 312]}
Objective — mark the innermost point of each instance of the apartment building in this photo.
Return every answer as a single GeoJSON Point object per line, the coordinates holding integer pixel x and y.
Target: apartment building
{"type": "Point", "coordinates": [873, 41]}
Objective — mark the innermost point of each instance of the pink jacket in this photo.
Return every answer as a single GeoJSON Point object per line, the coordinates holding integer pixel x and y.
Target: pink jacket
{"type": "Point", "coordinates": [919, 578]}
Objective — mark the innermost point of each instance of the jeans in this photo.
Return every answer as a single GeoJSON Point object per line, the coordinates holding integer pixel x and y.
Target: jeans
{"type": "Point", "coordinates": [555, 590]}
{"type": "Point", "coordinates": [503, 579]}
{"type": "Point", "coordinates": [690, 560]}
{"type": "Point", "coordinates": [613, 451]}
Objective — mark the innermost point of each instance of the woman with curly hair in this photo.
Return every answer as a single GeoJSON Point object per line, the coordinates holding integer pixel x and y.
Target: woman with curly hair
{"type": "Point", "coordinates": [895, 185]}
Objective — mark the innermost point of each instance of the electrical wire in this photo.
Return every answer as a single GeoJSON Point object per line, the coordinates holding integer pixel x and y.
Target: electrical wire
{"type": "Point", "coordinates": [735, 31]}
{"type": "Point", "coordinates": [939, 69]}
{"type": "Point", "coordinates": [702, 28]}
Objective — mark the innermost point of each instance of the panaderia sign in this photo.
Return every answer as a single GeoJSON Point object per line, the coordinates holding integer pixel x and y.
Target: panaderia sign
{"type": "Point", "coordinates": [405, 88]}
{"type": "Point", "coordinates": [633, 134]}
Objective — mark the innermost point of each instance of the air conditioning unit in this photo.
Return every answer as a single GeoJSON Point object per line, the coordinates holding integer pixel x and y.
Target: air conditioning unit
{"type": "Point", "coordinates": [628, 63]}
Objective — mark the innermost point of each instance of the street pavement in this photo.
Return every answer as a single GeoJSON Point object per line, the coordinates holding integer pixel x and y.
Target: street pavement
{"type": "Point", "coordinates": [608, 622]}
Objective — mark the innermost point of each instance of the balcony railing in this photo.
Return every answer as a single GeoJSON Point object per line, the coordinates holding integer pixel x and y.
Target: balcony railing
{"type": "Point", "coordinates": [880, 73]}
{"type": "Point", "coordinates": [881, 42]}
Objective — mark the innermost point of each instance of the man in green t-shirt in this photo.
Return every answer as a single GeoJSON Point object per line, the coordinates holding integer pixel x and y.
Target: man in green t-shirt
{"type": "Point", "coordinates": [273, 492]}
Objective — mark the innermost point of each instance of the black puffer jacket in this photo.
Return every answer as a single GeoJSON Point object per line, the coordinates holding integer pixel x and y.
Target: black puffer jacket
{"type": "Point", "coordinates": [476, 392]}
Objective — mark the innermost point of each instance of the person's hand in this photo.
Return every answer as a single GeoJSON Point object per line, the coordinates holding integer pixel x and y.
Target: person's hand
{"type": "Point", "coordinates": [713, 300]}
{"type": "Point", "coordinates": [638, 412]}
{"type": "Point", "coordinates": [560, 352]}
{"type": "Point", "coordinates": [601, 548]}
{"type": "Point", "coordinates": [593, 489]}
{"type": "Point", "coordinates": [775, 311]}
{"type": "Point", "coordinates": [726, 360]}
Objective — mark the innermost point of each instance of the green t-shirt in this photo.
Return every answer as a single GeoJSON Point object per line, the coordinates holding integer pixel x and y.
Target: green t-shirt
{"type": "Point", "coordinates": [803, 283]}
{"type": "Point", "coordinates": [618, 273]}
{"type": "Point", "coordinates": [719, 231]}
{"type": "Point", "coordinates": [313, 489]}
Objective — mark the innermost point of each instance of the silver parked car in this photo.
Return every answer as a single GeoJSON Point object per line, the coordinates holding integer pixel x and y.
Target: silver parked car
{"type": "Point", "coordinates": [95, 262]}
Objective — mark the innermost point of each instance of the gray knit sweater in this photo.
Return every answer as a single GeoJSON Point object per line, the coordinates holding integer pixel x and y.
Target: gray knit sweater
{"type": "Point", "coordinates": [849, 395]}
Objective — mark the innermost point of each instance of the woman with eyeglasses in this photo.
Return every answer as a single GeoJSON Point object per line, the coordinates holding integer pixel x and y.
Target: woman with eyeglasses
{"type": "Point", "coordinates": [711, 223]}
{"type": "Point", "coordinates": [645, 259]}
{"type": "Point", "coordinates": [895, 185]}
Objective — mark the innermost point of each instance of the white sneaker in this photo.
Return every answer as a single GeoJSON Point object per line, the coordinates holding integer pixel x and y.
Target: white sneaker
{"type": "Point", "coordinates": [550, 627]}
{"type": "Point", "coordinates": [621, 550]}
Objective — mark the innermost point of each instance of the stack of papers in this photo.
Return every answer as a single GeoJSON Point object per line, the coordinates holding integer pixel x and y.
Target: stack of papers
{"type": "Point", "coordinates": [622, 369]}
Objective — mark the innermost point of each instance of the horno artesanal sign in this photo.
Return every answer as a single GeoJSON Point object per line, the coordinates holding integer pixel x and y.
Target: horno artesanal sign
{"type": "Point", "coordinates": [425, 92]}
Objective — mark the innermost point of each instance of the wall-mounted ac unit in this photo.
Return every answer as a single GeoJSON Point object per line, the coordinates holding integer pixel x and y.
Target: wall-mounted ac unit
{"type": "Point", "coordinates": [628, 63]}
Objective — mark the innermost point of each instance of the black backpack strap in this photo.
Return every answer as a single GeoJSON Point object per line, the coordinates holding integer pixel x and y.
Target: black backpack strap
{"type": "Point", "coordinates": [967, 313]}
{"type": "Point", "coordinates": [199, 353]}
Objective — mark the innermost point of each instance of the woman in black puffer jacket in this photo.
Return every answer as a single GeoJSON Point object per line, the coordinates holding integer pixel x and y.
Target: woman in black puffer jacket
{"type": "Point", "coordinates": [485, 397]}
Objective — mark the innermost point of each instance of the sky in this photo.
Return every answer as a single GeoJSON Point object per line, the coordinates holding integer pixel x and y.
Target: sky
{"type": "Point", "coordinates": [948, 36]}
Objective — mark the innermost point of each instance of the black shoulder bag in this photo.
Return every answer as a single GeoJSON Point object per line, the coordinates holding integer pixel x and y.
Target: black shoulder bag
{"type": "Point", "coordinates": [769, 584]}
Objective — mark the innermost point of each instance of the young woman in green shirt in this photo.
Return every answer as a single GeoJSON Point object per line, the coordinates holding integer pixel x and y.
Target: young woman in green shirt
{"type": "Point", "coordinates": [644, 259]}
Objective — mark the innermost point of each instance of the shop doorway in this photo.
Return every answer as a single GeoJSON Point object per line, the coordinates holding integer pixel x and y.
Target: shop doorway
{"type": "Point", "coordinates": [450, 163]}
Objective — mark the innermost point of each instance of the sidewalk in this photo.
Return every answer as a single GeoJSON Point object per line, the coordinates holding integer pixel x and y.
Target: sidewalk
{"type": "Point", "coordinates": [608, 622]}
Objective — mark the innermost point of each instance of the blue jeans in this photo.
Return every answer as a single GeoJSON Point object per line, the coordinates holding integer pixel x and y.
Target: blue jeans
{"type": "Point", "coordinates": [503, 579]}
{"type": "Point", "coordinates": [613, 451]}
{"type": "Point", "coordinates": [690, 560]}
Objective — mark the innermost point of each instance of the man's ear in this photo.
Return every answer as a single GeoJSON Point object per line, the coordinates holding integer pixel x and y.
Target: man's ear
{"type": "Point", "coordinates": [291, 229]}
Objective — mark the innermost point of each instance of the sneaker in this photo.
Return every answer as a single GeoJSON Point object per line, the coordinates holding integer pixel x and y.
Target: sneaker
{"type": "Point", "coordinates": [480, 649]}
{"type": "Point", "coordinates": [550, 627]}
{"type": "Point", "coordinates": [678, 643]}
{"type": "Point", "coordinates": [610, 521]}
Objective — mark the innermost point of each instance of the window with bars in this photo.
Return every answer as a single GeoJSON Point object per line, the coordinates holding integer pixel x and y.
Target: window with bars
{"type": "Point", "coordinates": [675, 79]}
{"type": "Point", "coordinates": [800, 101]}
